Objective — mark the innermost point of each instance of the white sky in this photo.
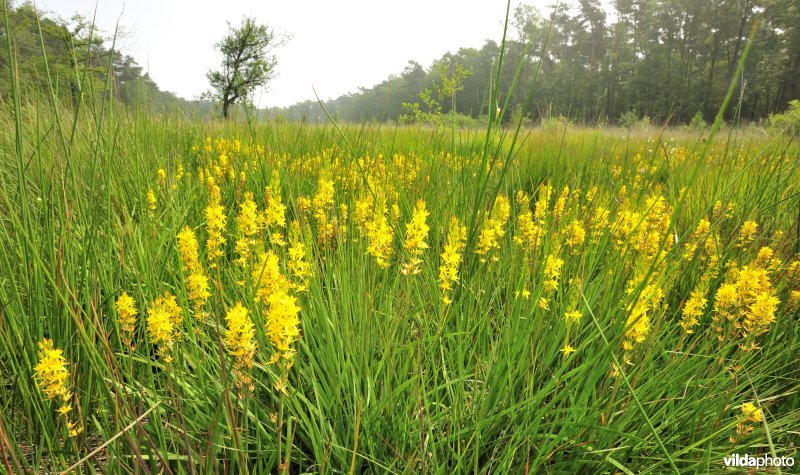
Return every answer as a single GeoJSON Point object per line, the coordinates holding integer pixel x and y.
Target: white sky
{"type": "Point", "coordinates": [337, 46]}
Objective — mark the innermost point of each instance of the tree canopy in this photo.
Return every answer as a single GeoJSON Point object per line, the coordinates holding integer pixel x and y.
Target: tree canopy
{"type": "Point", "coordinates": [68, 60]}
{"type": "Point", "coordinates": [603, 60]}
{"type": "Point", "coordinates": [248, 63]}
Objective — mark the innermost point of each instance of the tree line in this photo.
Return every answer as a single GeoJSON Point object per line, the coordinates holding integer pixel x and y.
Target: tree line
{"type": "Point", "coordinates": [600, 62]}
{"type": "Point", "coordinates": [70, 60]}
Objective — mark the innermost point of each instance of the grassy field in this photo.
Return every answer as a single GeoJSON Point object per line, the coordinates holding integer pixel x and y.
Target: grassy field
{"type": "Point", "coordinates": [182, 297]}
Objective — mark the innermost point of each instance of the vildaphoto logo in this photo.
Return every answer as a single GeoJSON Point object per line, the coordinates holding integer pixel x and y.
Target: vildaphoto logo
{"type": "Point", "coordinates": [746, 460]}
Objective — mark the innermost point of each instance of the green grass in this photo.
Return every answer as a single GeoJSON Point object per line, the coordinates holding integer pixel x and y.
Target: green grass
{"type": "Point", "coordinates": [387, 378]}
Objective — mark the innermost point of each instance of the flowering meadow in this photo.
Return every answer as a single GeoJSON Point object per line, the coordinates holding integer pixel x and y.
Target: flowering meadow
{"type": "Point", "coordinates": [183, 297]}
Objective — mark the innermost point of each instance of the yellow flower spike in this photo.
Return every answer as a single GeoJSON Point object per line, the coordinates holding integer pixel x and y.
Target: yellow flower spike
{"type": "Point", "coordinates": [51, 371]}
{"type": "Point", "coordinates": [198, 290]}
{"type": "Point", "coordinates": [241, 345]}
{"type": "Point", "coordinates": [151, 200]}
{"type": "Point", "coordinates": [493, 228]}
{"type": "Point", "coordinates": [126, 311]}
{"type": "Point", "coordinates": [451, 258]}
{"type": "Point", "coordinates": [188, 249]}
{"type": "Point", "coordinates": [216, 221]}
{"type": "Point", "coordinates": [380, 237]}
{"type": "Point", "coordinates": [573, 316]}
{"type": "Point", "coordinates": [52, 375]}
{"type": "Point", "coordinates": [416, 234]}
{"type": "Point", "coordinates": [163, 318]}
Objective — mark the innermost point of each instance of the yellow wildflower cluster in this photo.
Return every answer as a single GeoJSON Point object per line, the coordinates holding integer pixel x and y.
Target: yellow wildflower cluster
{"type": "Point", "coordinates": [747, 234]}
{"type": "Point", "coordinates": [151, 201]}
{"type": "Point", "coordinates": [451, 259]}
{"type": "Point", "coordinates": [750, 415]}
{"type": "Point", "coordinates": [283, 323]}
{"type": "Point", "coordinates": [493, 230]}
{"type": "Point", "coordinates": [267, 277]}
{"type": "Point", "coordinates": [380, 237]}
{"type": "Point", "coordinates": [240, 343]}
{"type": "Point", "coordinates": [247, 223]}
{"type": "Point", "coordinates": [188, 249]}
{"type": "Point", "coordinates": [299, 268]}
{"type": "Point", "coordinates": [51, 374]}
{"type": "Point", "coordinates": [745, 305]}
{"type": "Point", "coordinates": [275, 211]}
{"type": "Point", "coordinates": [416, 234]}
{"type": "Point", "coordinates": [163, 319]}
{"type": "Point", "coordinates": [126, 313]}
{"type": "Point", "coordinates": [322, 205]}
{"type": "Point", "coordinates": [216, 220]}
{"type": "Point", "coordinates": [641, 310]}
{"type": "Point", "coordinates": [693, 310]}
{"type": "Point", "coordinates": [574, 236]}
{"type": "Point", "coordinates": [196, 280]}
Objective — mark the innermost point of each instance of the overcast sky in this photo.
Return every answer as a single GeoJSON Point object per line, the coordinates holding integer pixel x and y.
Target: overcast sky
{"type": "Point", "coordinates": [336, 46]}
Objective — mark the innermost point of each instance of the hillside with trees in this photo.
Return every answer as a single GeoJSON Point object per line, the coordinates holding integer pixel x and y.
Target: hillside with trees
{"type": "Point", "coordinates": [638, 58]}
{"type": "Point", "coordinates": [71, 61]}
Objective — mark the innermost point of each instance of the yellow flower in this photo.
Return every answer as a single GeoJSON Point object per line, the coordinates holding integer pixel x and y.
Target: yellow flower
{"type": "Point", "coordinates": [248, 225]}
{"type": "Point", "coordinates": [451, 258]}
{"type": "Point", "coordinates": [188, 249]}
{"type": "Point", "coordinates": [752, 413]}
{"type": "Point", "coordinates": [299, 267]}
{"type": "Point", "coordinates": [567, 350]}
{"type": "Point", "coordinates": [747, 233]}
{"type": "Point", "coordinates": [126, 311]}
{"type": "Point", "coordinates": [215, 227]}
{"type": "Point", "coordinates": [151, 200]}
{"type": "Point", "coordinates": [163, 317]}
{"type": "Point", "coordinates": [529, 233]}
{"type": "Point", "coordinates": [416, 234]}
{"type": "Point", "coordinates": [573, 316]}
{"type": "Point", "coordinates": [51, 371]}
{"type": "Point", "coordinates": [380, 237]}
{"type": "Point", "coordinates": [267, 277]}
{"type": "Point", "coordinates": [275, 213]}
{"type": "Point", "coordinates": [552, 272]}
{"type": "Point", "coordinates": [198, 289]}
{"type": "Point", "coordinates": [747, 299]}
{"type": "Point", "coordinates": [494, 228]}
{"type": "Point", "coordinates": [692, 310]}
{"type": "Point", "coordinates": [283, 323]}
{"type": "Point", "coordinates": [52, 376]}
{"type": "Point", "coordinates": [640, 311]}
{"type": "Point", "coordinates": [240, 343]}
{"type": "Point", "coordinates": [575, 236]}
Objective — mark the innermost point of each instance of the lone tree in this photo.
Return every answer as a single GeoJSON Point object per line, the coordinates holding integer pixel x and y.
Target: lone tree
{"type": "Point", "coordinates": [247, 63]}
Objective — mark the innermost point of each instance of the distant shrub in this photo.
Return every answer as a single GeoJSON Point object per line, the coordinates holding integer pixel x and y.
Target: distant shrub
{"type": "Point", "coordinates": [518, 115]}
{"type": "Point", "coordinates": [629, 119]}
{"type": "Point", "coordinates": [556, 122]}
{"type": "Point", "coordinates": [698, 122]}
{"type": "Point", "coordinates": [789, 121]}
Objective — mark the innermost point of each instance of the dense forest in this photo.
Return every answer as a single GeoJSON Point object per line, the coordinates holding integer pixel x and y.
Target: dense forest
{"type": "Point", "coordinates": [72, 60]}
{"type": "Point", "coordinates": [599, 62]}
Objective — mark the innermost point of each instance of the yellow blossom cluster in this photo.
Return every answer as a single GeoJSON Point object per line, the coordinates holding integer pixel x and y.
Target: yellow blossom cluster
{"type": "Point", "coordinates": [415, 242]}
{"type": "Point", "coordinates": [493, 230]}
{"type": "Point", "coordinates": [240, 343]}
{"type": "Point", "coordinates": [126, 314]}
{"type": "Point", "coordinates": [451, 259]}
{"type": "Point", "coordinates": [745, 305]}
{"type": "Point", "coordinates": [52, 375]}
